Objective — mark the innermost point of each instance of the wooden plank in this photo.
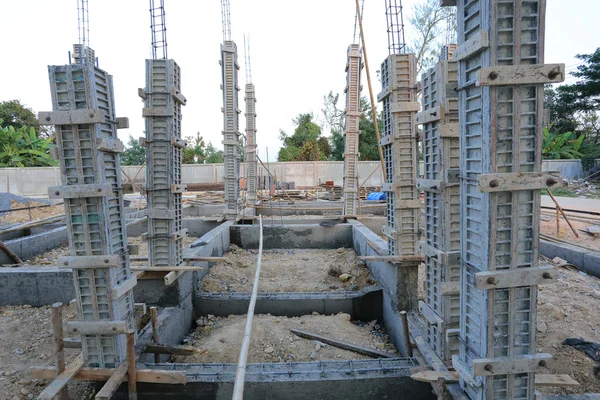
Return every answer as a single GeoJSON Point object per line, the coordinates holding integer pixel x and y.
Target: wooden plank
{"type": "Point", "coordinates": [166, 269]}
{"type": "Point", "coordinates": [432, 359]}
{"type": "Point", "coordinates": [147, 275]}
{"type": "Point", "coordinates": [510, 365]}
{"type": "Point", "coordinates": [405, 106]}
{"type": "Point", "coordinates": [177, 96]}
{"type": "Point", "coordinates": [80, 191]}
{"type": "Point", "coordinates": [430, 315]}
{"type": "Point", "coordinates": [430, 185]}
{"type": "Point", "coordinates": [122, 123]}
{"type": "Point", "coordinates": [109, 145]}
{"type": "Point", "coordinates": [448, 3]}
{"type": "Point", "coordinates": [177, 142]}
{"type": "Point", "coordinates": [448, 129]}
{"type": "Point", "coordinates": [96, 327]}
{"type": "Point", "coordinates": [400, 259]}
{"type": "Point", "coordinates": [524, 74]}
{"type": "Point", "coordinates": [88, 262]}
{"type": "Point", "coordinates": [157, 112]}
{"type": "Point", "coordinates": [178, 188]}
{"type": "Point", "coordinates": [72, 117]}
{"type": "Point", "coordinates": [464, 372]}
{"type": "Point", "coordinates": [131, 366]}
{"type": "Point", "coordinates": [342, 345]}
{"type": "Point", "coordinates": [103, 374]}
{"type": "Point", "coordinates": [157, 213]}
{"type": "Point", "coordinates": [190, 259]}
{"type": "Point", "coordinates": [450, 288]}
{"type": "Point", "coordinates": [408, 203]}
{"type": "Point", "coordinates": [61, 380]}
{"type": "Point", "coordinates": [433, 376]}
{"type": "Point", "coordinates": [124, 287]}
{"type": "Point", "coordinates": [518, 181]}
{"type": "Point", "coordinates": [172, 350]}
{"type": "Point", "coordinates": [113, 383]}
{"type": "Point", "coordinates": [171, 277]}
{"type": "Point", "coordinates": [431, 115]}
{"type": "Point", "coordinates": [555, 380]}
{"type": "Point", "coordinates": [500, 279]}
{"type": "Point", "coordinates": [475, 44]}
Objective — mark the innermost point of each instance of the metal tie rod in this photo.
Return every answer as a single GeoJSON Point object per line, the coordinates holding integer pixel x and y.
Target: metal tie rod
{"type": "Point", "coordinates": [240, 375]}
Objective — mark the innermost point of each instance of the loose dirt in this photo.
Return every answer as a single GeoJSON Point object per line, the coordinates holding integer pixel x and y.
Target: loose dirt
{"type": "Point", "coordinates": [220, 340]}
{"type": "Point", "coordinates": [295, 270]}
{"type": "Point", "coordinates": [569, 309]}
{"type": "Point", "coordinates": [548, 227]}
{"type": "Point", "coordinates": [16, 217]}
{"type": "Point", "coordinates": [26, 340]}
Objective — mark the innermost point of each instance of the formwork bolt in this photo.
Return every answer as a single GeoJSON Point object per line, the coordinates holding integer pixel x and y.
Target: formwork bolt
{"type": "Point", "coordinates": [494, 183]}
{"type": "Point", "coordinates": [547, 275]}
{"type": "Point", "coordinates": [493, 75]}
{"type": "Point", "coordinates": [114, 328]}
{"type": "Point", "coordinates": [91, 115]}
{"type": "Point", "coordinates": [57, 193]}
{"type": "Point", "coordinates": [74, 329]}
{"type": "Point", "coordinates": [106, 261]}
{"type": "Point", "coordinates": [488, 367]}
{"type": "Point", "coordinates": [491, 280]}
{"type": "Point", "coordinates": [542, 363]}
{"type": "Point", "coordinates": [551, 182]}
{"type": "Point", "coordinates": [434, 187]}
{"type": "Point", "coordinates": [48, 118]}
{"type": "Point", "coordinates": [553, 74]}
{"type": "Point", "coordinates": [66, 263]}
{"type": "Point", "coordinates": [98, 190]}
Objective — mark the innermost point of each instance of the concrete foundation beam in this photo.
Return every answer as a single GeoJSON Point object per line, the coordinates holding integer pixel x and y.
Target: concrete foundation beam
{"type": "Point", "coordinates": [293, 236]}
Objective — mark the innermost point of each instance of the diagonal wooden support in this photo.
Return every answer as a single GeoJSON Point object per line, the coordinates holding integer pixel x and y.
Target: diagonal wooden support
{"type": "Point", "coordinates": [61, 381]}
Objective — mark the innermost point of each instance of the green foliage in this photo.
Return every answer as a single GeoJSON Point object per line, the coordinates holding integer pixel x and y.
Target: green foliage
{"type": "Point", "coordinates": [194, 152]}
{"type": "Point", "coordinates": [561, 146]}
{"type": "Point", "coordinates": [367, 141]}
{"type": "Point", "coordinates": [15, 114]}
{"type": "Point", "coordinates": [213, 156]}
{"type": "Point", "coordinates": [134, 153]}
{"type": "Point", "coordinates": [23, 147]}
{"type": "Point", "coordinates": [306, 144]}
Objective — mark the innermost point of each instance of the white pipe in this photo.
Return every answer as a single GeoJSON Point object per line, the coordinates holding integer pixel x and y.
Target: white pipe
{"type": "Point", "coordinates": [240, 375]}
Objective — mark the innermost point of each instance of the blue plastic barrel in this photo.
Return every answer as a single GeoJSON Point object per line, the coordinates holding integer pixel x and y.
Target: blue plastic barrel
{"type": "Point", "coordinates": [376, 196]}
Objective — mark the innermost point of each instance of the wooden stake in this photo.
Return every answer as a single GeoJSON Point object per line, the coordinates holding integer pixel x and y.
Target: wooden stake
{"type": "Point", "coordinates": [154, 318]}
{"type": "Point", "coordinates": [131, 371]}
{"type": "Point", "coordinates": [373, 108]}
{"type": "Point", "coordinates": [342, 345]}
{"type": "Point", "coordinates": [557, 222]}
{"type": "Point", "coordinates": [15, 258]}
{"type": "Point", "coordinates": [57, 328]}
{"type": "Point", "coordinates": [406, 334]}
{"type": "Point", "coordinates": [559, 208]}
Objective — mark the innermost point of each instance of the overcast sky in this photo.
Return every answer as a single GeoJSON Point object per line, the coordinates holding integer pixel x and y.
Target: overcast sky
{"type": "Point", "coordinates": [298, 53]}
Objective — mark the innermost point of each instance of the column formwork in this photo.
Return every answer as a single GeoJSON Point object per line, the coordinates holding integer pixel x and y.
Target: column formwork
{"type": "Point", "coordinates": [351, 133]}
{"type": "Point", "coordinates": [88, 151]}
{"type": "Point", "coordinates": [164, 147]}
{"type": "Point", "coordinates": [251, 159]}
{"type": "Point", "coordinates": [399, 145]}
{"type": "Point", "coordinates": [231, 134]}
{"type": "Point", "coordinates": [440, 183]}
{"type": "Point", "coordinates": [501, 83]}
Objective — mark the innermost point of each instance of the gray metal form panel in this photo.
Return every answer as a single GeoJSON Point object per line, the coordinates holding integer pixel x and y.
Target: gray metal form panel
{"type": "Point", "coordinates": [251, 160]}
{"type": "Point", "coordinates": [231, 134]}
{"type": "Point", "coordinates": [500, 132]}
{"type": "Point", "coordinates": [442, 203]}
{"type": "Point", "coordinates": [96, 225]}
{"type": "Point", "coordinates": [163, 160]}
{"type": "Point", "coordinates": [352, 132]}
{"type": "Point", "coordinates": [399, 145]}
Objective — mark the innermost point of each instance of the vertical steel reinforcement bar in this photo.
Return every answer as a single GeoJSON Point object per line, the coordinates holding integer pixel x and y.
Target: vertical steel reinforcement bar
{"type": "Point", "coordinates": [88, 149]}
{"type": "Point", "coordinates": [164, 146]}
{"type": "Point", "coordinates": [399, 143]}
{"type": "Point", "coordinates": [231, 134]}
{"type": "Point", "coordinates": [501, 83]}
{"type": "Point", "coordinates": [440, 183]}
{"type": "Point", "coordinates": [352, 132]}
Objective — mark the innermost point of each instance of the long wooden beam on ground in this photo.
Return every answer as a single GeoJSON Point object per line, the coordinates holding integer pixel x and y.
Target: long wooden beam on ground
{"type": "Point", "coordinates": [103, 374]}
{"type": "Point", "coordinates": [342, 345]}
{"type": "Point", "coordinates": [61, 380]}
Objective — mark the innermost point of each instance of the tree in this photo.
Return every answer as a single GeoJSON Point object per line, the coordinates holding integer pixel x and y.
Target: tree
{"type": "Point", "coordinates": [304, 144]}
{"type": "Point", "coordinates": [213, 156]}
{"type": "Point", "coordinates": [367, 140]}
{"type": "Point", "coordinates": [17, 115]}
{"type": "Point", "coordinates": [428, 20]}
{"type": "Point", "coordinates": [194, 152]}
{"type": "Point", "coordinates": [23, 147]}
{"type": "Point", "coordinates": [134, 153]}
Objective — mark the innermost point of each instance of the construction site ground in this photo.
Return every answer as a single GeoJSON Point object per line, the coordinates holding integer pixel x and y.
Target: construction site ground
{"type": "Point", "coordinates": [33, 214]}
{"type": "Point", "coordinates": [220, 339]}
{"type": "Point", "coordinates": [289, 270]}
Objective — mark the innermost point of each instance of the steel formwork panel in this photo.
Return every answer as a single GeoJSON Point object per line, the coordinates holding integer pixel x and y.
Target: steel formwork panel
{"type": "Point", "coordinates": [95, 225]}
{"type": "Point", "coordinates": [352, 131]}
{"type": "Point", "coordinates": [251, 159]}
{"type": "Point", "coordinates": [399, 147]}
{"type": "Point", "coordinates": [231, 134]}
{"type": "Point", "coordinates": [500, 132]}
{"type": "Point", "coordinates": [163, 160]}
{"type": "Point", "coordinates": [442, 202]}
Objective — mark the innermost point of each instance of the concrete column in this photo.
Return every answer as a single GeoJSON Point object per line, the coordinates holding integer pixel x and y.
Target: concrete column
{"type": "Point", "coordinates": [231, 134]}
{"type": "Point", "coordinates": [164, 147]}
{"type": "Point", "coordinates": [351, 133]}
{"type": "Point", "coordinates": [440, 183]}
{"type": "Point", "coordinates": [501, 92]}
{"type": "Point", "coordinates": [88, 150]}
